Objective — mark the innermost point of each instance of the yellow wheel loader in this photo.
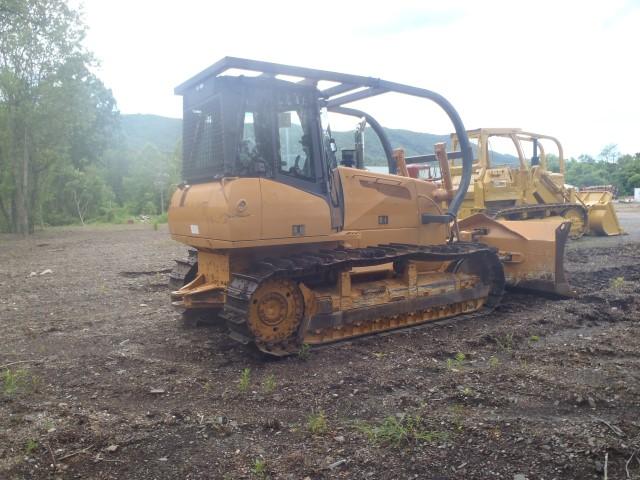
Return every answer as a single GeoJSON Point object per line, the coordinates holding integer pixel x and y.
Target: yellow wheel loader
{"type": "Point", "coordinates": [531, 190]}
{"type": "Point", "coordinates": [291, 245]}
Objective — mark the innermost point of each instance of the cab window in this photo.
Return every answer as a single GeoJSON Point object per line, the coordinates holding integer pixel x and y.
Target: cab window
{"type": "Point", "coordinates": [295, 149]}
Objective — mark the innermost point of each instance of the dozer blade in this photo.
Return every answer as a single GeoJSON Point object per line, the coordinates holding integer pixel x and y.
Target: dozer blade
{"type": "Point", "coordinates": [601, 214]}
{"type": "Point", "coordinates": [532, 252]}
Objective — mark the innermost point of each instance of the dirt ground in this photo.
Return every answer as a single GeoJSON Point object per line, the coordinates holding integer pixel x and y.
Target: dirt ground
{"type": "Point", "coordinates": [100, 379]}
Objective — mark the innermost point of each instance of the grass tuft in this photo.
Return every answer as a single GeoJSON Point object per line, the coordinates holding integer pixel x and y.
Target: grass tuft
{"type": "Point", "coordinates": [617, 283]}
{"type": "Point", "coordinates": [397, 432]}
{"type": "Point", "coordinates": [31, 446]}
{"type": "Point", "coordinates": [457, 361]}
{"type": "Point", "coordinates": [269, 384]}
{"type": "Point", "coordinates": [18, 381]}
{"type": "Point", "coordinates": [505, 343]}
{"type": "Point", "coordinates": [245, 379]}
{"type": "Point", "coordinates": [317, 423]}
{"type": "Point", "coordinates": [259, 468]}
{"type": "Point", "coordinates": [305, 352]}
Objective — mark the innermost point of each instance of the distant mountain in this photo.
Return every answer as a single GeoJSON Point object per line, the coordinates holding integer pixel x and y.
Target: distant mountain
{"type": "Point", "coordinates": [165, 133]}
{"type": "Point", "coordinates": [140, 130]}
{"type": "Point", "coordinates": [413, 143]}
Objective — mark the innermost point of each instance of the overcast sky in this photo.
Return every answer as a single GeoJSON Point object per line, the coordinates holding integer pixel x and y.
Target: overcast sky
{"type": "Point", "coordinates": [568, 69]}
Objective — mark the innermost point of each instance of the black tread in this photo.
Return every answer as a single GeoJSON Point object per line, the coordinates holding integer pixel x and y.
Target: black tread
{"type": "Point", "coordinates": [184, 270]}
{"type": "Point", "coordinates": [559, 209]}
{"type": "Point", "coordinates": [303, 267]}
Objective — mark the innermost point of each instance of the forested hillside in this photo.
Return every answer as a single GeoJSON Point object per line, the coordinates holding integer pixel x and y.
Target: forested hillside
{"type": "Point", "coordinates": [134, 163]}
{"type": "Point", "coordinates": [141, 130]}
{"type": "Point", "coordinates": [164, 133]}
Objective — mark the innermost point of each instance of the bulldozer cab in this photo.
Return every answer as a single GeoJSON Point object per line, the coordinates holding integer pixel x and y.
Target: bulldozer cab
{"type": "Point", "coordinates": [518, 143]}
{"type": "Point", "coordinates": [254, 127]}
{"type": "Point", "coordinates": [507, 162]}
{"type": "Point", "coordinates": [267, 122]}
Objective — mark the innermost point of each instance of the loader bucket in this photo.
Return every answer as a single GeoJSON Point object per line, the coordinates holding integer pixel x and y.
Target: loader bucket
{"type": "Point", "coordinates": [601, 214]}
{"type": "Point", "coordinates": [532, 252]}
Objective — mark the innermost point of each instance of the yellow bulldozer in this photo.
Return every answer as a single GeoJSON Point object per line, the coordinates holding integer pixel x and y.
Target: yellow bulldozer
{"type": "Point", "coordinates": [531, 190]}
{"type": "Point", "coordinates": [292, 245]}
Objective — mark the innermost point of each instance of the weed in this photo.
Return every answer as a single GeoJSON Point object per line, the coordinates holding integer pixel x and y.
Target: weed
{"type": "Point", "coordinates": [617, 283]}
{"type": "Point", "coordinates": [305, 352]}
{"type": "Point", "coordinates": [467, 391]}
{"type": "Point", "coordinates": [155, 225]}
{"type": "Point", "coordinates": [493, 361]}
{"type": "Point", "coordinates": [396, 432]}
{"type": "Point", "coordinates": [458, 414]}
{"type": "Point", "coordinates": [259, 468]}
{"type": "Point", "coordinates": [245, 378]}
{"type": "Point", "coordinates": [505, 342]}
{"type": "Point", "coordinates": [457, 361]}
{"type": "Point", "coordinates": [16, 381]}
{"type": "Point", "coordinates": [30, 446]}
{"type": "Point", "coordinates": [317, 423]}
{"type": "Point", "coordinates": [534, 338]}
{"type": "Point", "coordinates": [48, 424]}
{"type": "Point", "coordinates": [269, 384]}
{"type": "Point", "coordinates": [9, 382]}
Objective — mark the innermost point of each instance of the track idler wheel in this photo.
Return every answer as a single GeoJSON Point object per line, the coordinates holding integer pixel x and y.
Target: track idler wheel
{"type": "Point", "coordinates": [275, 312]}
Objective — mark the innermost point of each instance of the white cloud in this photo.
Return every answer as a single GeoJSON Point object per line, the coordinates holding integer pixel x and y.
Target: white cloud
{"type": "Point", "coordinates": [569, 69]}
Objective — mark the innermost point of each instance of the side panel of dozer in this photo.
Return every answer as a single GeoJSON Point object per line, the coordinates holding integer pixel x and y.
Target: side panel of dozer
{"type": "Point", "coordinates": [532, 252]}
{"type": "Point", "coordinates": [603, 219]}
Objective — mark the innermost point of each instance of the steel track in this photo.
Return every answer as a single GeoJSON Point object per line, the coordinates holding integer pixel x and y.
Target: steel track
{"type": "Point", "coordinates": [326, 264]}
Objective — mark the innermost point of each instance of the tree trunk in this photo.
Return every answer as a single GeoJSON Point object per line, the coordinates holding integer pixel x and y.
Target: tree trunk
{"type": "Point", "coordinates": [14, 215]}
{"type": "Point", "coordinates": [22, 188]}
{"type": "Point", "coordinates": [33, 197]}
{"type": "Point", "coordinates": [75, 198]}
{"type": "Point", "coordinates": [7, 217]}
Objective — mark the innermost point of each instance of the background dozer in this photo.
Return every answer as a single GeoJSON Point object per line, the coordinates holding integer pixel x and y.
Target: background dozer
{"type": "Point", "coordinates": [529, 190]}
{"type": "Point", "coordinates": [291, 245]}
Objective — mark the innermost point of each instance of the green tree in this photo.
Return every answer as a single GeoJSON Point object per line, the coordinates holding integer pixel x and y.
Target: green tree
{"type": "Point", "coordinates": [609, 153]}
{"type": "Point", "coordinates": [627, 174]}
{"type": "Point", "coordinates": [53, 110]}
{"type": "Point", "coordinates": [149, 181]}
{"type": "Point", "coordinates": [75, 195]}
{"type": "Point", "coordinates": [586, 159]}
